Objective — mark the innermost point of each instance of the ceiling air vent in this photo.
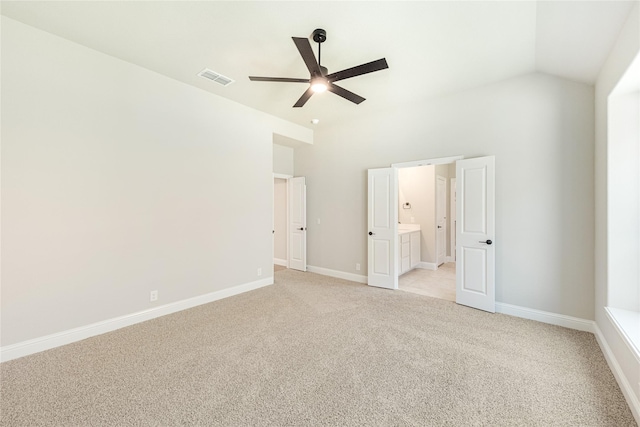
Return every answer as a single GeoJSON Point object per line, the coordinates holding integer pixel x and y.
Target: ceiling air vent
{"type": "Point", "coordinates": [216, 77]}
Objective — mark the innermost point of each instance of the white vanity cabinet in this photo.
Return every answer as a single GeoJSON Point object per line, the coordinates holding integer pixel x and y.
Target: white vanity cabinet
{"type": "Point", "coordinates": [405, 252]}
{"type": "Point", "coordinates": [415, 248]}
{"type": "Point", "coordinates": [409, 248]}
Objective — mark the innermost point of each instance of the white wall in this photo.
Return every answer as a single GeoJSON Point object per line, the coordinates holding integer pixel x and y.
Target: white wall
{"type": "Point", "coordinates": [280, 219]}
{"type": "Point", "coordinates": [282, 160]}
{"type": "Point", "coordinates": [539, 127]}
{"type": "Point", "coordinates": [624, 363]}
{"type": "Point", "coordinates": [117, 181]}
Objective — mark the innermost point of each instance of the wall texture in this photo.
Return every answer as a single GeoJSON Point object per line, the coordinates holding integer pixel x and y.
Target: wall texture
{"type": "Point", "coordinates": [539, 127]}
{"type": "Point", "coordinates": [117, 181]}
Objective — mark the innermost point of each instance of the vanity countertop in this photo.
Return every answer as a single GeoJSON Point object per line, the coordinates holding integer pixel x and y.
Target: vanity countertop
{"type": "Point", "coordinates": [407, 228]}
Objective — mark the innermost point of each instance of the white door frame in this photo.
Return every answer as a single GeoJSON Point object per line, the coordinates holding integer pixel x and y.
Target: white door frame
{"type": "Point", "coordinates": [428, 162]}
{"type": "Point", "coordinates": [285, 177]}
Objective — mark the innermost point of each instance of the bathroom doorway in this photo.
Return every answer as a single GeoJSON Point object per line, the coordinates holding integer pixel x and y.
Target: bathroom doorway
{"type": "Point", "coordinates": [425, 220]}
{"type": "Point", "coordinates": [389, 254]}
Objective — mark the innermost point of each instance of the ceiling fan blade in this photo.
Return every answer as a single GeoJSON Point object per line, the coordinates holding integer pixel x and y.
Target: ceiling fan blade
{"type": "Point", "coordinates": [369, 67]}
{"type": "Point", "coordinates": [304, 98]}
{"type": "Point", "coordinates": [277, 79]}
{"type": "Point", "coordinates": [356, 99]}
{"type": "Point", "coordinates": [304, 47]}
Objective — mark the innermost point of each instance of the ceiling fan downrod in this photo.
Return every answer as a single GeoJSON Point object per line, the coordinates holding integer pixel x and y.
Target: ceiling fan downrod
{"type": "Point", "coordinates": [320, 36]}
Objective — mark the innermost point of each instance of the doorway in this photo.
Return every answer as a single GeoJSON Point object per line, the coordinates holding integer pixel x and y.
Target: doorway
{"type": "Point", "coordinates": [289, 223]}
{"type": "Point", "coordinates": [475, 228]}
{"type": "Point", "coordinates": [424, 206]}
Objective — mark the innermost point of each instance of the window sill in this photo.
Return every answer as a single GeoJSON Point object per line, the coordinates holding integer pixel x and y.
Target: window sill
{"type": "Point", "coordinates": [628, 324]}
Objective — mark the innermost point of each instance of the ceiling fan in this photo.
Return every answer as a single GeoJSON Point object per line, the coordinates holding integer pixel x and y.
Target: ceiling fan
{"type": "Point", "coordinates": [320, 80]}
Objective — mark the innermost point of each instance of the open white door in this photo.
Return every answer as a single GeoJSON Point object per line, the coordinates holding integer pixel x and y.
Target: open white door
{"type": "Point", "coordinates": [441, 220]}
{"type": "Point", "coordinates": [475, 227]}
{"type": "Point", "coordinates": [382, 221]}
{"type": "Point", "coordinates": [297, 224]}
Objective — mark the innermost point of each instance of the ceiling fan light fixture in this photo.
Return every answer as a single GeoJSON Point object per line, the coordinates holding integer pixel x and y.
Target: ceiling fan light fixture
{"type": "Point", "coordinates": [319, 84]}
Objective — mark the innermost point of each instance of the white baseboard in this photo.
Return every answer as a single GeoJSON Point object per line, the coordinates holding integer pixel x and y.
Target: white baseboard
{"type": "Point", "coordinates": [427, 266]}
{"type": "Point", "coordinates": [58, 339]}
{"type": "Point", "coordinates": [338, 274]}
{"type": "Point", "coordinates": [586, 326]}
{"type": "Point", "coordinates": [449, 259]}
{"type": "Point", "coordinates": [546, 317]}
{"type": "Point", "coordinates": [282, 262]}
{"type": "Point", "coordinates": [627, 390]}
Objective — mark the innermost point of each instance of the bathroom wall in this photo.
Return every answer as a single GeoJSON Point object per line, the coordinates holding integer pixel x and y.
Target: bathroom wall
{"type": "Point", "coordinates": [415, 186]}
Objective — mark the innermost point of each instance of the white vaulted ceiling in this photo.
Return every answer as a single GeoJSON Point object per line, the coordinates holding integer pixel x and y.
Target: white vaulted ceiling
{"type": "Point", "coordinates": [432, 47]}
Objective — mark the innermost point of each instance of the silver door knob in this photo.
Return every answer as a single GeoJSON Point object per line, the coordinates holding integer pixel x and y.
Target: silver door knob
{"type": "Point", "coordinates": [488, 242]}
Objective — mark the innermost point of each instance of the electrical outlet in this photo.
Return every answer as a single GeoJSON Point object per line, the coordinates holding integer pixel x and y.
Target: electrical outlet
{"type": "Point", "coordinates": [357, 267]}
{"type": "Point", "coordinates": [259, 272]}
{"type": "Point", "coordinates": [318, 221]}
{"type": "Point", "coordinates": [153, 296]}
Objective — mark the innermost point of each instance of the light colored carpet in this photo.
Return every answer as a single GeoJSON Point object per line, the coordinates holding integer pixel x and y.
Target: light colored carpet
{"type": "Point", "coordinates": [313, 350]}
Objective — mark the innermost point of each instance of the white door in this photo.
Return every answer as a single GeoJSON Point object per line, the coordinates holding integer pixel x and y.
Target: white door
{"type": "Point", "coordinates": [475, 223]}
{"type": "Point", "coordinates": [383, 230]}
{"type": "Point", "coordinates": [297, 224]}
{"type": "Point", "coordinates": [441, 219]}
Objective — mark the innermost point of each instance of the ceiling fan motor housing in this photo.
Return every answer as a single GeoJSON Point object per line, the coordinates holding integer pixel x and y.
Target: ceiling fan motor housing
{"type": "Point", "coordinates": [319, 35]}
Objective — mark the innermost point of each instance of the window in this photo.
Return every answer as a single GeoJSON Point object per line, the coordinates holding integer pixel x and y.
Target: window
{"type": "Point", "coordinates": [623, 210]}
